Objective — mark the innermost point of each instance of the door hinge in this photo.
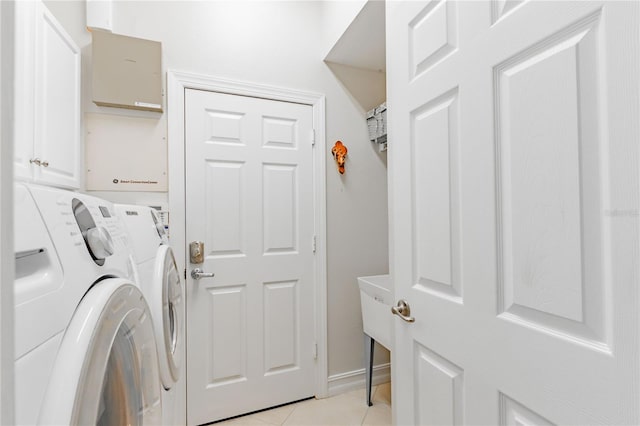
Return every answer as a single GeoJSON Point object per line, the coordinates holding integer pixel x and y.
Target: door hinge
{"type": "Point", "coordinates": [315, 350]}
{"type": "Point", "coordinates": [313, 137]}
{"type": "Point", "coordinates": [185, 274]}
{"type": "Point", "coordinates": [313, 244]}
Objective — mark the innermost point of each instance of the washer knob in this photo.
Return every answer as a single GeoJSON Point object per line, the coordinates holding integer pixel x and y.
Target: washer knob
{"type": "Point", "coordinates": [160, 229]}
{"type": "Point", "coordinates": [99, 242]}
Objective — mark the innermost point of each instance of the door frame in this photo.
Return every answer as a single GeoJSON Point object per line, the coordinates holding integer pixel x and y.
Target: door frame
{"type": "Point", "coordinates": [7, 260]}
{"type": "Point", "coordinates": [177, 83]}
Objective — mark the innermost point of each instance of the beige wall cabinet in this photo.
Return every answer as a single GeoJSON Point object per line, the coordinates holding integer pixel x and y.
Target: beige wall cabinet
{"type": "Point", "coordinates": [48, 106]}
{"type": "Point", "coordinates": [127, 72]}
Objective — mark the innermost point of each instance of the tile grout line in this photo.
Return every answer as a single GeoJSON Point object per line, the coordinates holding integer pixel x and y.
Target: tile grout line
{"type": "Point", "coordinates": [295, 407]}
{"type": "Point", "coordinates": [373, 396]}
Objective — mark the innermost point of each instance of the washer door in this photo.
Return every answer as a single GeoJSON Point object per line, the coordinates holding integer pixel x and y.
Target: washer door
{"type": "Point", "coordinates": [106, 371]}
{"type": "Point", "coordinates": [167, 309]}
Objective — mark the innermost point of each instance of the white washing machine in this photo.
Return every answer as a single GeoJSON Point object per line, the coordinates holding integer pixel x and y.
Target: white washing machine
{"type": "Point", "coordinates": [159, 280]}
{"type": "Point", "coordinates": [85, 345]}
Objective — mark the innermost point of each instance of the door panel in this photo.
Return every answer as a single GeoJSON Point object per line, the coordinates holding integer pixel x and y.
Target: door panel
{"type": "Point", "coordinates": [440, 382]}
{"type": "Point", "coordinates": [280, 208]}
{"type": "Point", "coordinates": [512, 413]}
{"type": "Point", "coordinates": [434, 134]}
{"type": "Point", "coordinates": [224, 181]}
{"type": "Point", "coordinates": [227, 346]}
{"type": "Point", "coordinates": [58, 106]}
{"type": "Point", "coordinates": [249, 170]}
{"type": "Point", "coordinates": [514, 211]}
{"type": "Point", "coordinates": [549, 183]}
{"type": "Point", "coordinates": [432, 35]}
{"type": "Point", "coordinates": [281, 313]}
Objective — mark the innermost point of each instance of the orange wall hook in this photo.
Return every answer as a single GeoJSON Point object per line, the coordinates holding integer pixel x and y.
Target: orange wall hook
{"type": "Point", "coordinates": [339, 152]}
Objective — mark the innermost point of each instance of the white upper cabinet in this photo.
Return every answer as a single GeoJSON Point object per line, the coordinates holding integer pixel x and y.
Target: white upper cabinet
{"type": "Point", "coordinates": [47, 135]}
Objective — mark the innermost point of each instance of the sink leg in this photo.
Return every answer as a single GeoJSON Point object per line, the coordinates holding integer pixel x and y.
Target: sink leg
{"type": "Point", "coordinates": [368, 355]}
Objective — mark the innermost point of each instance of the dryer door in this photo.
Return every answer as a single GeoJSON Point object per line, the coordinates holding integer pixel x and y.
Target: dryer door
{"type": "Point", "coordinates": [106, 371]}
{"type": "Point", "coordinates": [167, 308]}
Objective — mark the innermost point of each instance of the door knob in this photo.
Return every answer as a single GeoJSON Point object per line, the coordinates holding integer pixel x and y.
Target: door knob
{"type": "Point", "coordinates": [403, 310]}
{"type": "Point", "coordinates": [198, 273]}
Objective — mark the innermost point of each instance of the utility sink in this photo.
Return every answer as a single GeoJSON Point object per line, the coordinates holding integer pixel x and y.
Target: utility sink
{"type": "Point", "coordinates": [376, 300]}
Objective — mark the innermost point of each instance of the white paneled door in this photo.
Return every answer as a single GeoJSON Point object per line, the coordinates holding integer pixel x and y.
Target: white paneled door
{"type": "Point", "coordinates": [513, 161]}
{"type": "Point", "coordinates": [249, 180]}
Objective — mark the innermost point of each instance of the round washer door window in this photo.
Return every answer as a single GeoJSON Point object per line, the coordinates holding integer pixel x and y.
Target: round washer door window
{"type": "Point", "coordinates": [106, 371]}
{"type": "Point", "coordinates": [167, 308]}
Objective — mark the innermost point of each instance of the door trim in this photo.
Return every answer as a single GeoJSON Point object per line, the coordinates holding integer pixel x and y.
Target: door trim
{"type": "Point", "coordinates": [177, 83]}
{"type": "Point", "coordinates": [7, 261]}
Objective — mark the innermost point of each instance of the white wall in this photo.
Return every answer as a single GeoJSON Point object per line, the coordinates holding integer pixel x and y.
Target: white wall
{"type": "Point", "coordinates": [282, 44]}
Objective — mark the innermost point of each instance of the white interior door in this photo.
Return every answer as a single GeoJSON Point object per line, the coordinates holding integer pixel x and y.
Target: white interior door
{"type": "Point", "coordinates": [249, 198]}
{"type": "Point", "coordinates": [514, 191]}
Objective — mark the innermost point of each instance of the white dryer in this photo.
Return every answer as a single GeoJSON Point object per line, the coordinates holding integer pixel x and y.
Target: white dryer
{"type": "Point", "coordinates": [85, 346]}
{"type": "Point", "coordinates": [159, 280]}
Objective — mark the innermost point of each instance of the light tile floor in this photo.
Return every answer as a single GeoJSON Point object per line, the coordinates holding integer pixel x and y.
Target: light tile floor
{"type": "Point", "coordinates": [341, 410]}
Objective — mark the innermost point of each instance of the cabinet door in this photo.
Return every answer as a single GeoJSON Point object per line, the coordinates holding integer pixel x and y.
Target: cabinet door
{"type": "Point", "coordinates": [57, 103]}
{"type": "Point", "coordinates": [24, 100]}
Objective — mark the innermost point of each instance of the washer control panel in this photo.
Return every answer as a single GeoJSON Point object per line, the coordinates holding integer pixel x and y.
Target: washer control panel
{"type": "Point", "coordinates": [97, 239]}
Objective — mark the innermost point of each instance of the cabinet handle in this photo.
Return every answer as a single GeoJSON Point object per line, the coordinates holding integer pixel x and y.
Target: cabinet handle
{"type": "Point", "coordinates": [36, 161]}
{"type": "Point", "coordinates": [45, 163]}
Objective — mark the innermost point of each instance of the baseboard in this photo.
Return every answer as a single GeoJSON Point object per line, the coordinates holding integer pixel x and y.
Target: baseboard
{"type": "Point", "coordinates": [352, 380]}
